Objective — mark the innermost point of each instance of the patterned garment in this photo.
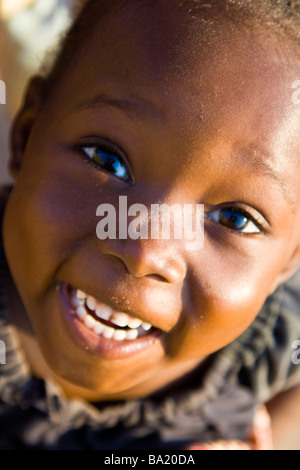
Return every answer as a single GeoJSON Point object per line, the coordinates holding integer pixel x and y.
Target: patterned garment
{"type": "Point", "coordinates": [219, 402]}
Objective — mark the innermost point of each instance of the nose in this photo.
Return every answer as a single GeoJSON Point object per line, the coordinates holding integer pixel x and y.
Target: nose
{"type": "Point", "coordinates": [157, 259]}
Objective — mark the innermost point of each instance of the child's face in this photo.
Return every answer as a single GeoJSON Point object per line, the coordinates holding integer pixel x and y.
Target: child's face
{"type": "Point", "coordinates": [203, 118]}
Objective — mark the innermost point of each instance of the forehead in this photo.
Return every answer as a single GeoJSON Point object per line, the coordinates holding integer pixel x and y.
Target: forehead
{"type": "Point", "coordinates": [158, 50]}
{"type": "Point", "coordinates": [206, 75]}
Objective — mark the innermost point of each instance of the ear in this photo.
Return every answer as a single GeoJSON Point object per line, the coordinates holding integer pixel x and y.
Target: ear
{"type": "Point", "coordinates": [24, 122]}
{"type": "Point", "coordinates": [289, 270]}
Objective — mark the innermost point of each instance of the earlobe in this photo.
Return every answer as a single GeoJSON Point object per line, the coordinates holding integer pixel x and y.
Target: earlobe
{"type": "Point", "coordinates": [24, 122]}
{"type": "Point", "coordinates": [290, 269]}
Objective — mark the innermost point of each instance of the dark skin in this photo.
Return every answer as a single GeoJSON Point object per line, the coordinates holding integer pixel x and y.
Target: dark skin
{"type": "Point", "coordinates": [201, 126]}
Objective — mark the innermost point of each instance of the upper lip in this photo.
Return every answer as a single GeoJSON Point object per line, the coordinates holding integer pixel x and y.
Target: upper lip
{"type": "Point", "coordinates": [120, 307]}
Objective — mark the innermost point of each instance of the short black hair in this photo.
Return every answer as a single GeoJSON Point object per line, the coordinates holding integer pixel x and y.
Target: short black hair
{"type": "Point", "coordinates": [282, 17]}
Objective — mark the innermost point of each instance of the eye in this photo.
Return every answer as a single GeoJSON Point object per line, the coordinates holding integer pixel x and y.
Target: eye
{"type": "Point", "coordinates": [235, 219]}
{"type": "Point", "coordinates": [109, 160]}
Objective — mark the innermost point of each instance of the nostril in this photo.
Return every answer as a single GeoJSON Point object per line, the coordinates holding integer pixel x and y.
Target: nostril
{"type": "Point", "coordinates": [141, 260]}
{"type": "Point", "coordinates": [157, 277]}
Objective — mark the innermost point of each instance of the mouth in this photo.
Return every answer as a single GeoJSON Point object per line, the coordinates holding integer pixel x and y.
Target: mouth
{"type": "Point", "coordinates": [106, 322]}
{"type": "Point", "coordinates": [101, 330]}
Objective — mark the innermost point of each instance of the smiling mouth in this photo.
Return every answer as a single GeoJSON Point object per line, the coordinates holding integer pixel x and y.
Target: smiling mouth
{"type": "Point", "coordinates": [106, 322]}
{"type": "Point", "coordinates": [102, 331]}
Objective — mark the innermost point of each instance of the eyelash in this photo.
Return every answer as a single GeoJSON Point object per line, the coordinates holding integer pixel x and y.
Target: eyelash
{"type": "Point", "coordinates": [108, 149]}
{"type": "Point", "coordinates": [260, 225]}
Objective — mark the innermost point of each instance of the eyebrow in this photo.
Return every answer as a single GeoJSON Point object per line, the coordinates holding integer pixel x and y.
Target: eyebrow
{"type": "Point", "coordinates": [266, 168]}
{"type": "Point", "coordinates": [139, 108]}
{"type": "Point", "coordinates": [133, 108]}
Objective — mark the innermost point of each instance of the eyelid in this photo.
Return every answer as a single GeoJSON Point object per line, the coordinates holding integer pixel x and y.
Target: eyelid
{"type": "Point", "coordinates": [101, 142]}
{"type": "Point", "coordinates": [255, 216]}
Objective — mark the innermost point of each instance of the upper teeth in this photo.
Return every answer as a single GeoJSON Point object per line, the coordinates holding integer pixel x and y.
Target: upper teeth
{"type": "Point", "coordinates": [80, 300]}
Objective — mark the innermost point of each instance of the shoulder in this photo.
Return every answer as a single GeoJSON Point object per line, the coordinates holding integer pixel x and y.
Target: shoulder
{"type": "Point", "coordinates": [267, 365]}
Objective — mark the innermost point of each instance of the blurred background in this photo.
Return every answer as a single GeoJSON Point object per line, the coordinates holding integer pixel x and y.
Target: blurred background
{"type": "Point", "coordinates": [29, 32]}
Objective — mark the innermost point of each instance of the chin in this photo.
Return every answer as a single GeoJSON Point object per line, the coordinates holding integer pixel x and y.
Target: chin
{"type": "Point", "coordinates": [98, 382]}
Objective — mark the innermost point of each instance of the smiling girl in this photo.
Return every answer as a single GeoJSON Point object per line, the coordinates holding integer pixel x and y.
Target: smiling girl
{"type": "Point", "coordinates": [191, 102]}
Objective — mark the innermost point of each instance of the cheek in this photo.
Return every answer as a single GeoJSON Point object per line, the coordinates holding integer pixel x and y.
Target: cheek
{"type": "Point", "coordinates": [48, 215]}
{"type": "Point", "coordinates": [224, 299]}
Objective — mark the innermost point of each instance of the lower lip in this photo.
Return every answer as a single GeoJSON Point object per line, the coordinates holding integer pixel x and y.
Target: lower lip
{"type": "Point", "coordinates": [98, 345]}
